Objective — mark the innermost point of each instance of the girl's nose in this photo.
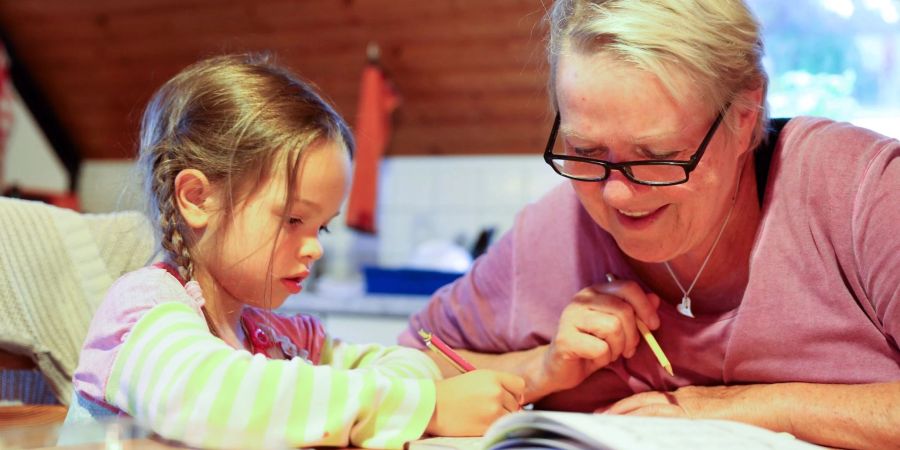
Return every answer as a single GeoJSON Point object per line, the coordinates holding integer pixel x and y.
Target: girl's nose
{"type": "Point", "coordinates": [311, 248]}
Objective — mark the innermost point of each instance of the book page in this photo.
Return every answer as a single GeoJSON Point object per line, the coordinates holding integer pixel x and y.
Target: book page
{"type": "Point", "coordinates": [446, 443]}
{"type": "Point", "coordinates": [633, 432]}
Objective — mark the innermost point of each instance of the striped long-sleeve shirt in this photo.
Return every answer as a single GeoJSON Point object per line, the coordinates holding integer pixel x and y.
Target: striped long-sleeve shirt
{"type": "Point", "coordinates": [158, 362]}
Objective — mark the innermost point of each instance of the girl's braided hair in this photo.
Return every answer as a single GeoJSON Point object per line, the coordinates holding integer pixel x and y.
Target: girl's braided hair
{"type": "Point", "coordinates": [233, 118]}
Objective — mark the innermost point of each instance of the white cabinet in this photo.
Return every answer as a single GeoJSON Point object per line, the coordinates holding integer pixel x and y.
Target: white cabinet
{"type": "Point", "coordinates": [364, 329]}
{"type": "Point", "coordinates": [367, 319]}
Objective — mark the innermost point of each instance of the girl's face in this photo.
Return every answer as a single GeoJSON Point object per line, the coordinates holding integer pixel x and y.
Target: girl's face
{"type": "Point", "coordinates": [616, 112]}
{"type": "Point", "coordinates": [240, 263]}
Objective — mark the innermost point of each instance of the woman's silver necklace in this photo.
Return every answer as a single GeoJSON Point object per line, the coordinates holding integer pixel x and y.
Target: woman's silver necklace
{"type": "Point", "coordinates": [685, 306]}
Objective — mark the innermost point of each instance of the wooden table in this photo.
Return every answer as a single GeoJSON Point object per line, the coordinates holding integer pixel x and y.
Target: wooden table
{"type": "Point", "coordinates": [96, 437]}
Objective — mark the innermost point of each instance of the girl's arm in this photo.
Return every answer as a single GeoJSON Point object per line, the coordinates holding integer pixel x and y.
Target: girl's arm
{"type": "Point", "coordinates": [174, 377]}
{"type": "Point", "coordinates": [391, 361]}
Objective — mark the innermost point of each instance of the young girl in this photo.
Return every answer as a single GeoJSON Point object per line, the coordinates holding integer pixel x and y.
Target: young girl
{"type": "Point", "coordinates": [245, 165]}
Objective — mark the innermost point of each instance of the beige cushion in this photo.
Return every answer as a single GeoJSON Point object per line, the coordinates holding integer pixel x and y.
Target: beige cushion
{"type": "Point", "coordinates": [55, 267]}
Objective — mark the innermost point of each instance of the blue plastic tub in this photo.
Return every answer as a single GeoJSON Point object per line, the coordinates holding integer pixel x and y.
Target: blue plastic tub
{"type": "Point", "coordinates": [406, 281]}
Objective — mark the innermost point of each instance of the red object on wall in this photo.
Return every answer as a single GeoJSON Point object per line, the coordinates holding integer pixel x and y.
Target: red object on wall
{"type": "Point", "coordinates": [377, 100]}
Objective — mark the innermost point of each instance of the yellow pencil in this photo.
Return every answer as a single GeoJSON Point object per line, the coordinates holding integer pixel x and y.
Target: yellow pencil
{"type": "Point", "coordinates": [651, 341]}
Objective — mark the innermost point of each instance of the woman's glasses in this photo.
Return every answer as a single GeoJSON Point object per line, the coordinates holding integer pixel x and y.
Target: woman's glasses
{"type": "Point", "coordinates": [647, 172]}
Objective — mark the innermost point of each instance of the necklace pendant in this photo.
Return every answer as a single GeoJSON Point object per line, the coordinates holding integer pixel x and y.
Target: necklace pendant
{"type": "Point", "coordinates": [684, 308]}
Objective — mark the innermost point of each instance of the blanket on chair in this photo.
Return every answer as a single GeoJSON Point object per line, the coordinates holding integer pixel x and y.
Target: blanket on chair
{"type": "Point", "coordinates": [55, 267]}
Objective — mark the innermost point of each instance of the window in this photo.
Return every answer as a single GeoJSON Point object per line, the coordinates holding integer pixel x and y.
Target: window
{"type": "Point", "coordinates": [834, 58]}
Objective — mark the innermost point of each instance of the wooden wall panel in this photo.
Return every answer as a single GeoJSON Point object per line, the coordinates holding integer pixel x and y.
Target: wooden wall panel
{"type": "Point", "coordinates": [471, 72]}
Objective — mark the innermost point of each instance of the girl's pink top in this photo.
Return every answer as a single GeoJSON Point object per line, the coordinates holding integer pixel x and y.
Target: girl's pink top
{"type": "Point", "coordinates": [269, 333]}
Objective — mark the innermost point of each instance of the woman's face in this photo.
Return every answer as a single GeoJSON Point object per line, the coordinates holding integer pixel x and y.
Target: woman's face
{"type": "Point", "coordinates": [614, 111]}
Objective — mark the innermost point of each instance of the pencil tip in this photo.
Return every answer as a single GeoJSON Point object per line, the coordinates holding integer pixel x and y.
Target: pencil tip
{"type": "Point", "coordinates": [669, 370]}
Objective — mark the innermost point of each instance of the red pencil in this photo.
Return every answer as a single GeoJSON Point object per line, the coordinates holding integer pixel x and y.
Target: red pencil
{"type": "Point", "coordinates": [436, 344]}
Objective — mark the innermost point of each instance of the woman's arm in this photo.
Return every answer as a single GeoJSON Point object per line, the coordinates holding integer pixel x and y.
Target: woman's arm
{"type": "Point", "coordinates": [845, 416]}
{"type": "Point", "coordinates": [596, 328]}
{"type": "Point", "coordinates": [835, 415]}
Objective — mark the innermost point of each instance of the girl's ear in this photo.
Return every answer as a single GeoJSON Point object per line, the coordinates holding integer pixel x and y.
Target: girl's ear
{"type": "Point", "coordinates": [193, 196]}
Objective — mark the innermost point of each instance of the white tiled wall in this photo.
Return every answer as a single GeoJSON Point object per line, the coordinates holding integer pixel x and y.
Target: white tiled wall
{"type": "Point", "coordinates": [445, 198]}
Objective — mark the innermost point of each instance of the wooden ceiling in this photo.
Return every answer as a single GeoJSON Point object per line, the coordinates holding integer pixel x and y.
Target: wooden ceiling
{"type": "Point", "coordinates": [471, 72]}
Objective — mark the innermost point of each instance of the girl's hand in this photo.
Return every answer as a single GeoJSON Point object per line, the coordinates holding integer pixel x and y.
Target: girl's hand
{"type": "Point", "coordinates": [595, 329]}
{"type": "Point", "coordinates": [467, 404]}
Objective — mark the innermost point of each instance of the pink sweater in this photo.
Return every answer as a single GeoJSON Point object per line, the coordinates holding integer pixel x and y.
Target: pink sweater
{"type": "Point", "coordinates": [822, 304]}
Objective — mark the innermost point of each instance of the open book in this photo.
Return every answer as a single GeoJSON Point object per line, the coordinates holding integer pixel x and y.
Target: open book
{"type": "Point", "coordinates": [571, 431]}
{"type": "Point", "coordinates": [578, 431]}
{"type": "Point", "coordinates": [564, 430]}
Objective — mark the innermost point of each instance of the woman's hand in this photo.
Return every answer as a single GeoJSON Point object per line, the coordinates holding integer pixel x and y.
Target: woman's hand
{"type": "Point", "coordinates": [702, 402]}
{"type": "Point", "coordinates": [653, 403]}
{"type": "Point", "coordinates": [833, 415]}
{"type": "Point", "coordinates": [595, 329]}
{"type": "Point", "coordinates": [467, 404]}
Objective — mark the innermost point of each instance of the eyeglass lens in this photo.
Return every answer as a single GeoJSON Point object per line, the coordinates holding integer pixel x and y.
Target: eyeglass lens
{"type": "Point", "coordinates": [583, 170]}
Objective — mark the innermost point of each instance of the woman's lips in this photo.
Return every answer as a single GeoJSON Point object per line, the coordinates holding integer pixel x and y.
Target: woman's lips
{"type": "Point", "coordinates": [639, 219]}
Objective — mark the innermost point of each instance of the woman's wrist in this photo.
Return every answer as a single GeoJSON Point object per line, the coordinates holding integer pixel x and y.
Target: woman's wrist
{"type": "Point", "coordinates": [537, 383]}
{"type": "Point", "coordinates": [763, 405]}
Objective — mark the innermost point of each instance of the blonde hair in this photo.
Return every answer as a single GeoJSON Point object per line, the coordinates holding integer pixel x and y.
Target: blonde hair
{"type": "Point", "coordinates": [233, 118]}
{"type": "Point", "coordinates": [714, 45]}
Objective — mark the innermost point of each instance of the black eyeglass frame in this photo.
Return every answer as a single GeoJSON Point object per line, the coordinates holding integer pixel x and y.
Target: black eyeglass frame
{"type": "Point", "coordinates": [625, 167]}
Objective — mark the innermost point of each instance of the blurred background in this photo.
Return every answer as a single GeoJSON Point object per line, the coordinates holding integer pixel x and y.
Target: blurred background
{"type": "Point", "coordinates": [463, 153]}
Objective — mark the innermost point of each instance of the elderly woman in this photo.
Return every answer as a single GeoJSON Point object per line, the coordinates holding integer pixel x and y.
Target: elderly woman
{"type": "Point", "coordinates": [766, 260]}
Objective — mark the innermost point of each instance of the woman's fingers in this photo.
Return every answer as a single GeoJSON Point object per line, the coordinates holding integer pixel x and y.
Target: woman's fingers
{"type": "Point", "coordinates": [607, 317]}
{"type": "Point", "coordinates": [600, 326]}
{"type": "Point", "coordinates": [606, 327]}
{"type": "Point", "coordinates": [654, 299]}
{"type": "Point", "coordinates": [643, 304]}
{"type": "Point", "coordinates": [641, 401]}
{"type": "Point", "coordinates": [579, 345]}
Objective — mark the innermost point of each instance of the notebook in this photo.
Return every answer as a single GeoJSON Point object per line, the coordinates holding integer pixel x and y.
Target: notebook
{"type": "Point", "coordinates": [578, 431]}
{"type": "Point", "coordinates": [570, 431]}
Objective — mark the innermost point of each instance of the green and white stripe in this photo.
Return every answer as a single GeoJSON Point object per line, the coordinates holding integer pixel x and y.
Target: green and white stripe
{"type": "Point", "coordinates": [176, 378]}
